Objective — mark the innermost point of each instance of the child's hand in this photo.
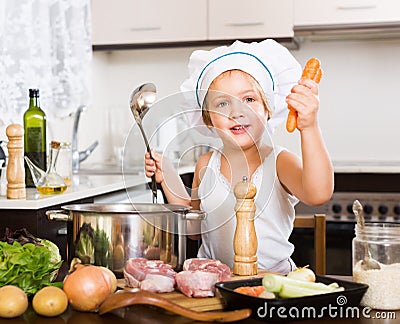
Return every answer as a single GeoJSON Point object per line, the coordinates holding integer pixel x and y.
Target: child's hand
{"type": "Point", "coordinates": [154, 167]}
{"type": "Point", "coordinates": [304, 99]}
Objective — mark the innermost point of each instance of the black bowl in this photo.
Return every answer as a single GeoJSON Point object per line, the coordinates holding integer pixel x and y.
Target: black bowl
{"type": "Point", "coordinates": [341, 304]}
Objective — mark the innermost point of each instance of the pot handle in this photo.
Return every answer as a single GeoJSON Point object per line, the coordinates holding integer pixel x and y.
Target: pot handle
{"type": "Point", "coordinates": [58, 215]}
{"type": "Point", "coordinates": [195, 215]}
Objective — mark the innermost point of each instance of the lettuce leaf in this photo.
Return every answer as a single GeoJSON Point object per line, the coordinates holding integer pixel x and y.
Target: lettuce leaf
{"type": "Point", "coordinates": [27, 266]}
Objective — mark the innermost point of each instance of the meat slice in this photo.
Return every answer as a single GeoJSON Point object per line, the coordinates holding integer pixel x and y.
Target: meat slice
{"type": "Point", "coordinates": [151, 275]}
{"type": "Point", "coordinates": [200, 275]}
{"type": "Point", "coordinates": [208, 265]}
{"type": "Point", "coordinates": [157, 283]}
{"type": "Point", "coordinates": [197, 283]}
{"type": "Point", "coordinates": [131, 281]}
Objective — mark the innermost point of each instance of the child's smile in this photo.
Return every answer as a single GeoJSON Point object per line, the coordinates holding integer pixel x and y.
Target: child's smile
{"type": "Point", "coordinates": [239, 129]}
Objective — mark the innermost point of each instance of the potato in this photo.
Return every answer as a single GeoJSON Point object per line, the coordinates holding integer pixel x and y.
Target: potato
{"type": "Point", "coordinates": [13, 301]}
{"type": "Point", "coordinates": [50, 301]}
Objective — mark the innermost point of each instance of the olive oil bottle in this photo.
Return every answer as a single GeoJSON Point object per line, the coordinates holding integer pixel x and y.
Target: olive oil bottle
{"type": "Point", "coordinates": [35, 135]}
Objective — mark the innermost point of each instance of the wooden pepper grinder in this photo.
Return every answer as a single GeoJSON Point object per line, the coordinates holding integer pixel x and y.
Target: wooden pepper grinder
{"type": "Point", "coordinates": [15, 167]}
{"type": "Point", "coordinates": [245, 238]}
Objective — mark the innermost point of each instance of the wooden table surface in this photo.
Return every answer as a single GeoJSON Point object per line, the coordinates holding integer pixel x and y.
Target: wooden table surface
{"type": "Point", "coordinates": [150, 315]}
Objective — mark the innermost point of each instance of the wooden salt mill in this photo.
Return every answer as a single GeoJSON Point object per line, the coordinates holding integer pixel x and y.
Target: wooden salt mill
{"type": "Point", "coordinates": [15, 167]}
{"type": "Point", "coordinates": [245, 239]}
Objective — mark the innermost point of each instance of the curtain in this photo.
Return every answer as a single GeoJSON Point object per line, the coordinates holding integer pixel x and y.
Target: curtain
{"type": "Point", "coordinates": [44, 44]}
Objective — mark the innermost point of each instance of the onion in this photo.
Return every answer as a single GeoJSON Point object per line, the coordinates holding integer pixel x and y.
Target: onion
{"type": "Point", "coordinates": [87, 287]}
{"type": "Point", "coordinates": [302, 273]}
{"type": "Point", "coordinates": [112, 277]}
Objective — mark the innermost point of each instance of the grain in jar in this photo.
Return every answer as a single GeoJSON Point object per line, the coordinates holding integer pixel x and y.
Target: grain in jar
{"type": "Point", "coordinates": [383, 242]}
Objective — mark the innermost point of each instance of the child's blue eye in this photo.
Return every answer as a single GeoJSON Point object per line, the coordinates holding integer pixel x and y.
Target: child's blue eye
{"type": "Point", "coordinates": [222, 104]}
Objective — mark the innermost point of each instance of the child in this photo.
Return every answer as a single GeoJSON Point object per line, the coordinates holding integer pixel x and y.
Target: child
{"type": "Point", "coordinates": [243, 92]}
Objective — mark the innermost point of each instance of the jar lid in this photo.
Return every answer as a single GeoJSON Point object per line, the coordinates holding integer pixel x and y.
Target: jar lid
{"type": "Point", "coordinates": [377, 231]}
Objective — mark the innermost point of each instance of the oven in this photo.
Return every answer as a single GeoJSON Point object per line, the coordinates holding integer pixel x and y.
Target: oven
{"type": "Point", "coordinates": [379, 193]}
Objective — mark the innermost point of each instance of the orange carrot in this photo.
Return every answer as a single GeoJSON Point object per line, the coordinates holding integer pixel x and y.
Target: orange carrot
{"type": "Point", "coordinates": [312, 71]}
{"type": "Point", "coordinates": [250, 290]}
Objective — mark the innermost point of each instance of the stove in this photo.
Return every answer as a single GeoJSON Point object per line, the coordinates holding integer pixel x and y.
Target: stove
{"type": "Point", "coordinates": [379, 193]}
{"type": "Point", "coordinates": [378, 207]}
{"type": "Point", "coordinates": [340, 222]}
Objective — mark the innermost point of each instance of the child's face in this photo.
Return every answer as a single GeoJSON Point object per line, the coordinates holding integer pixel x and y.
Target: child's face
{"type": "Point", "coordinates": [236, 108]}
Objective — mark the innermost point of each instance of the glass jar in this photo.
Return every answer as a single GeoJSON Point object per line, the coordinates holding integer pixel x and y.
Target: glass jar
{"type": "Point", "coordinates": [380, 242]}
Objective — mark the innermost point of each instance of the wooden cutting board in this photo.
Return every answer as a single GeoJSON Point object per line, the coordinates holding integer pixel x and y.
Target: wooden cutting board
{"type": "Point", "coordinates": [198, 304]}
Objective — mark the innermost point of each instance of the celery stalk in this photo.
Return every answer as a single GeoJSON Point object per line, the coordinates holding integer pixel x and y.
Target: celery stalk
{"type": "Point", "coordinates": [273, 283]}
{"type": "Point", "coordinates": [276, 283]}
{"type": "Point", "coordinates": [291, 291]}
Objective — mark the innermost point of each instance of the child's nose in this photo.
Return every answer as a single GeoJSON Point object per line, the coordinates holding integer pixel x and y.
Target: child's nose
{"type": "Point", "coordinates": [238, 109]}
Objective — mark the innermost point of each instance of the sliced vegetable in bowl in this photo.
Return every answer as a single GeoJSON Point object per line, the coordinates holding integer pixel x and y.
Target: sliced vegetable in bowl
{"type": "Point", "coordinates": [255, 291]}
{"type": "Point", "coordinates": [286, 287]}
{"type": "Point", "coordinates": [297, 283]}
{"type": "Point", "coordinates": [266, 309]}
{"type": "Point", "coordinates": [280, 286]}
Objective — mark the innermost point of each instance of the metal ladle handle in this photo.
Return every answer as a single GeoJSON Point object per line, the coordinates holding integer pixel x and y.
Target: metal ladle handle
{"type": "Point", "coordinates": [153, 177]}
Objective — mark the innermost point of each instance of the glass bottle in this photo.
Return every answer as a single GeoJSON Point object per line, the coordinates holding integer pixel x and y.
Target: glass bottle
{"type": "Point", "coordinates": [52, 182]}
{"type": "Point", "coordinates": [381, 242]}
{"type": "Point", "coordinates": [35, 135]}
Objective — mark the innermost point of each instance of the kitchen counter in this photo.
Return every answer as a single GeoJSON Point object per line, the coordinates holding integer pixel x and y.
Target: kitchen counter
{"type": "Point", "coordinates": [391, 167]}
{"type": "Point", "coordinates": [83, 186]}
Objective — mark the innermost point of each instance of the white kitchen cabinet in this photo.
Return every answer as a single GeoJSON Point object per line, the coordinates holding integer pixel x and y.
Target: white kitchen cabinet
{"type": "Point", "coordinates": [150, 21]}
{"type": "Point", "coordinates": [335, 12]}
{"type": "Point", "coordinates": [232, 19]}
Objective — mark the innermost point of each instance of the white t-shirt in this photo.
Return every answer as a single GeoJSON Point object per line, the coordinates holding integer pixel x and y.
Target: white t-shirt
{"type": "Point", "coordinates": [274, 215]}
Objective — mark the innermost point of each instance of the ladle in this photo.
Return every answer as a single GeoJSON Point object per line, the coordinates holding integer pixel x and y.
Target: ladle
{"type": "Point", "coordinates": [368, 263]}
{"type": "Point", "coordinates": [127, 298]}
{"type": "Point", "coordinates": [142, 98]}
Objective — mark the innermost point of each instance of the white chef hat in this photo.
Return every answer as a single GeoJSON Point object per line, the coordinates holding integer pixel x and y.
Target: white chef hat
{"type": "Point", "coordinates": [268, 62]}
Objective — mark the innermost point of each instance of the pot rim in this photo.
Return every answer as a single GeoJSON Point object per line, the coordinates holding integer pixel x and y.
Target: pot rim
{"type": "Point", "coordinates": [127, 208]}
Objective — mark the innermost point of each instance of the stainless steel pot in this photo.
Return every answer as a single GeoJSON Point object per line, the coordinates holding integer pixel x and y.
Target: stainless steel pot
{"type": "Point", "coordinates": [110, 234]}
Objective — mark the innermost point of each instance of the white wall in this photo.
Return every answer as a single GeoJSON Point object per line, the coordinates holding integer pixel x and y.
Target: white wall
{"type": "Point", "coordinates": [359, 111]}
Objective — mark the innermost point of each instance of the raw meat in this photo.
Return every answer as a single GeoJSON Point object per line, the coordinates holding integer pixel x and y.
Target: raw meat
{"type": "Point", "coordinates": [197, 283]}
{"type": "Point", "coordinates": [150, 275]}
{"type": "Point", "coordinates": [209, 265]}
{"type": "Point", "coordinates": [157, 283]}
{"type": "Point", "coordinates": [199, 277]}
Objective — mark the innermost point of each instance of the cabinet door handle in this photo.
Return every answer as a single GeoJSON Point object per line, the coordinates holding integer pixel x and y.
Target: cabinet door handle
{"type": "Point", "coordinates": [149, 28]}
{"type": "Point", "coordinates": [245, 24]}
{"type": "Point", "coordinates": [356, 7]}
